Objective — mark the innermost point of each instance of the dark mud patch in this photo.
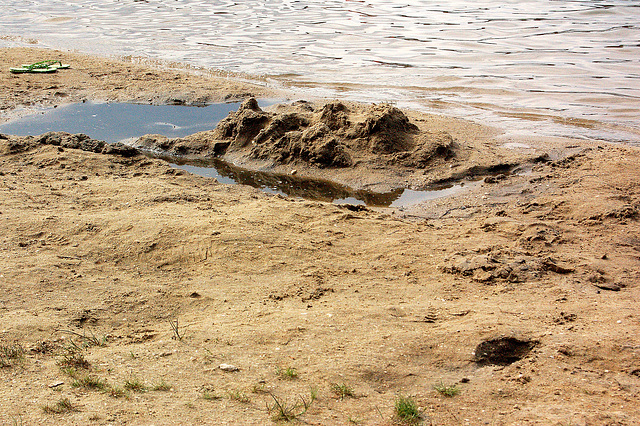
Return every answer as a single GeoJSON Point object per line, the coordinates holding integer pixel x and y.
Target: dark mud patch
{"type": "Point", "coordinates": [503, 350]}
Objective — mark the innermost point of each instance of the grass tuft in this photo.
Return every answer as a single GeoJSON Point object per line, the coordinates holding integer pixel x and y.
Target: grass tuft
{"type": "Point", "coordinates": [11, 355]}
{"type": "Point", "coordinates": [288, 373]}
{"type": "Point", "coordinates": [90, 382]}
{"type": "Point", "coordinates": [342, 390]}
{"type": "Point", "coordinates": [239, 396]}
{"type": "Point", "coordinates": [135, 385]}
{"type": "Point", "coordinates": [161, 386]}
{"type": "Point", "coordinates": [260, 387]}
{"type": "Point", "coordinates": [73, 359]}
{"type": "Point", "coordinates": [84, 340]}
{"type": "Point", "coordinates": [61, 407]}
{"type": "Point", "coordinates": [284, 411]}
{"type": "Point", "coordinates": [446, 390]}
{"type": "Point", "coordinates": [209, 395]}
{"type": "Point", "coordinates": [116, 392]}
{"type": "Point", "coordinates": [406, 410]}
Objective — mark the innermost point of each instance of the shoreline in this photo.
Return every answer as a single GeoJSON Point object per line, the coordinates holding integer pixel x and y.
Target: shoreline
{"type": "Point", "coordinates": [176, 275]}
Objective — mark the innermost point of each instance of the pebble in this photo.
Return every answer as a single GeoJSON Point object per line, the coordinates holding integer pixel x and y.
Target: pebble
{"type": "Point", "coordinates": [228, 367]}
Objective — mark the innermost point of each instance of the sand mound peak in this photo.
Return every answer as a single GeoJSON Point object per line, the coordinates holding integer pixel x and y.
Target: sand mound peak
{"type": "Point", "coordinates": [332, 134]}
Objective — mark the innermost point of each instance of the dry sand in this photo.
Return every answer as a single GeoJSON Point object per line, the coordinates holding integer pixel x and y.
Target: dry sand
{"type": "Point", "coordinates": [120, 272]}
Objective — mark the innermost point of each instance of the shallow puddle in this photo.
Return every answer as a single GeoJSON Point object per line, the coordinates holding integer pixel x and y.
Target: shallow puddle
{"type": "Point", "coordinates": [114, 122]}
{"type": "Point", "coordinates": [311, 189]}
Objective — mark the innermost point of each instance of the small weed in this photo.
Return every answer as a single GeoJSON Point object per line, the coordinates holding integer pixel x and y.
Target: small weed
{"type": "Point", "coordinates": [117, 392]}
{"type": "Point", "coordinates": [342, 391]}
{"type": "Point", "coordinates": [16, 421]}
{"type": "Point", "coordinates": [85, 340]}
{"type": "Point", "coordinates": [60, 407]}
{"type": "Point", "coordinates": [135, 385]}
{"type": "Point", "coordinates": [446, 390]}
{"type": "Point", "coordinates": [354, 421]}
{"type": "Point", "coordinates": [90, 382]}
{"type": "Point", "coordinates": [178, 333]}
{"type": "Point", "coordinates": [73, 359]}
{"type": "Point", "coordinates": [11, 355]}
{"type": "Point", "coordinates": [227, 341]}
{"type": "Point", "coordinates": [288, 373]}
{"type": "Point", "coordinates": [313, 393]}
{"type": "Point", "coordinates": [239, 396]}
{"type": "Point", "coordinates": [283, 410]}
{"type": "Point", "coordinates": [259, 387]}
{"type": "Point", "coordinates": [210, 395]}
{"type": "Point", "coordinates": [69, 371]}
{"type": "Point", "coordinates": [161, 386]}
{"type": "Point", "coordinates": [406, 410]}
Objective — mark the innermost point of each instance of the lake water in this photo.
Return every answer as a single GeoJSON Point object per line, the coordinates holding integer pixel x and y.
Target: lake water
{"type": "Point", "coordinates": [549, 67]}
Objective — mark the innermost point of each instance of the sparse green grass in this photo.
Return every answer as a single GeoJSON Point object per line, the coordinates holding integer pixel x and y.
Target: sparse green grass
{"type": "Point", "coordinates": [406, 410]}
{"type": "Point", "coordinates": [84, 340]}
{"type": "Point", "coordinates": [260, 387]}
{"type": "Point", "coordinates": [117, 392]}
{"type": "Point", "coordinates": [239, 396]}
{"type": "Point", "coordinates": [446, 390]}
{"type": "Point", "coordinates": [73, 359]}
{"type": "Point", "coordinates": [210, 395]}
{"type": "Point", "coordinates": [342, 390]}
{"type": "Point", "coordinates": [288, 373]}
{"type": "Point", "coordinates": [135, 385]}
{"type": "Point", "coordinates": [161, 386]}
{"type": "Point", "coordinates": [11, 355]}
{"type": "Point", "coordinates": [90, 382]}
{"type": "Point", "coordinates": [69, 371]}
{"type": "Point", "coordinates": [61, 407]}
{"type": "Point", "coordinates": [284, 411]}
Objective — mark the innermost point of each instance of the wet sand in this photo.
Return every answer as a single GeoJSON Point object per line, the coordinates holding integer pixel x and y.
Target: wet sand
{"type": "Point", "coordinates": [119, 272]}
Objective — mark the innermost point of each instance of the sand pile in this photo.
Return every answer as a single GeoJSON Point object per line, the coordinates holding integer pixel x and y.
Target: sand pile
{"type": "Point", "coordinates": [328, 135]}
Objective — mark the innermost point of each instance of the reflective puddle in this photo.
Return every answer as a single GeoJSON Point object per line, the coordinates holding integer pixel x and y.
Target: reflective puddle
{"type": "Point", "coordinates": [311, 189]}
{"type": "Point", "coordinates": [114, 122]}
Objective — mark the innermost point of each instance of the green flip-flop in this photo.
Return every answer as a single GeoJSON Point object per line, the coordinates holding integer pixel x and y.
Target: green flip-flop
{"type": "Point", "coordinates": [40, 67]}
{"type": "Point", "coordinates": [23, 70]}
{"type": "Point", "coordinates": [49, 64]}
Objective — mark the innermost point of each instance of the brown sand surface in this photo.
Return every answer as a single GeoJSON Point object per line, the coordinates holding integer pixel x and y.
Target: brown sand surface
{"type": "Point", "coordinates": [125, 285]}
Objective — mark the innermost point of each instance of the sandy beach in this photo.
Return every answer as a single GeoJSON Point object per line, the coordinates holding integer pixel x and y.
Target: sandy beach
{"type": "Point", "coordinates": [134, 293]}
